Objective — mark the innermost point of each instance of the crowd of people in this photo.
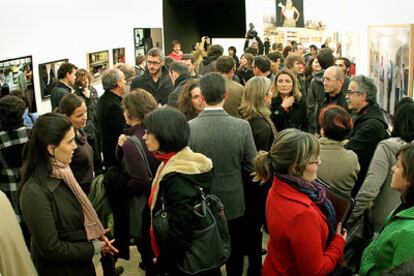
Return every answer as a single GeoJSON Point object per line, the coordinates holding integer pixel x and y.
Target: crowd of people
{"type": "Point", "coordinates": [263, 133]}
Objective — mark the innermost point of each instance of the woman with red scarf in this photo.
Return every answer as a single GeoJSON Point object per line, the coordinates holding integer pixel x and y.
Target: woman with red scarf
{"type": "Point", "coordinates": [175, 185]}
{"type": "Point", "coordinates": [304, 238]}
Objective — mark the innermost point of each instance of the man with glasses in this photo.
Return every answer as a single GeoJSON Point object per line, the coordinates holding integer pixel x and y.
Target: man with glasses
{"type": "Point", "coordinates": [156, 79]}
{"type": "Point", "coordinates": [369, 124]}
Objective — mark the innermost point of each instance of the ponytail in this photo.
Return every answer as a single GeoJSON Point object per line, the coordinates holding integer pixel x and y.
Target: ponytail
{"type": "Point", "coordinates": [263, 167]}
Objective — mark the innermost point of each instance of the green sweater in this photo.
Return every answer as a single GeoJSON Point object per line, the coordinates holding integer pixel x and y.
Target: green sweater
{"type": "Point", "coordinates": [394, 245]}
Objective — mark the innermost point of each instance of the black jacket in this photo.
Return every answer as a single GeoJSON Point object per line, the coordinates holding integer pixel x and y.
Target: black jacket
{"type": "Point", "coordinates": [111, 123]}
{"type": "Point", "coordinates": [294, 118]}
{"type": "Point", "coordinates": [369, 129]}
{"type": "Point", "coordinates": [57, 94]}
{"type": "Point", "coordinates": [160, 89]}
{"type": "Point", "coordinates": [180, 82]}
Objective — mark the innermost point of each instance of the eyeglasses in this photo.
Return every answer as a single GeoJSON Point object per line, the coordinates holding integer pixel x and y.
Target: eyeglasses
{"type": "Point", "coordinates": [153, 62]}
{"type": "Point", "coordinates": [316, 162]}
{"type": "Point", "coordinates": [350, 92]}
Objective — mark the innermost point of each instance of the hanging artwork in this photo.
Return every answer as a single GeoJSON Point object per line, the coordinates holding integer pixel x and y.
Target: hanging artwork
{"type": "Point", "coordinates": [145, 39]}
{"type": "Point", "coordinates": [48, 76]}
{"type": "Point", "coordinates": [391, 63]}
{"type": "Point", "coordinates": [118, 55]}
{"type": "Point", "coordinates": [97, 62]}
{"type": "Point", "coordinates": [289, 13]}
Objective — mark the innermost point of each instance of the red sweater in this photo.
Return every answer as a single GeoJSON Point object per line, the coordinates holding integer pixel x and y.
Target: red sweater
{"type": "Point", "coordinates": [298, 232]}
{"type": "Point", "coordinates": [176, 56]}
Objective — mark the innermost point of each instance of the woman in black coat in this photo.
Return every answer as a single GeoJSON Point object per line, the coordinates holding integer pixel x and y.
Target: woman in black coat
{"type": "Point", "coordinates": [288, 106]}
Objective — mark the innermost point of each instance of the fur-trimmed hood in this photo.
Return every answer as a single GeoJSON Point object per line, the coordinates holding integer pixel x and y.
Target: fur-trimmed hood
{"type": "Point", "coordinates": [185, 162]}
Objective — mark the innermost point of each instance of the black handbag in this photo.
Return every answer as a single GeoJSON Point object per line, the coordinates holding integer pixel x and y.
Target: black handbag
{"type": "Point", "coordinates": [210, 247]}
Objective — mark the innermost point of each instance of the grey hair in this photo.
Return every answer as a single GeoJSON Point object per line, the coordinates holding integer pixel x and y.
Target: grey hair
{"type": "Point", "coordinates": [156, 52]}
{"type": "Point", "coordinates": [339, 73]}
{"type": "Point", "coordinates": [367, 85]}
{"type": "Point", "coordinates": [110, 78]}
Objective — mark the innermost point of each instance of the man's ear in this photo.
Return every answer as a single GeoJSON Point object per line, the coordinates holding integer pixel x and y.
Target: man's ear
{"type": "Point", "coordinates": [51, 149]}
{"type": "Point", "coordinates": [226, 94]}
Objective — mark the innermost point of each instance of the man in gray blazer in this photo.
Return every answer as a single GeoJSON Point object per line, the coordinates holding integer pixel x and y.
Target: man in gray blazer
{"type": "Point", "coordinates": [228, 141]}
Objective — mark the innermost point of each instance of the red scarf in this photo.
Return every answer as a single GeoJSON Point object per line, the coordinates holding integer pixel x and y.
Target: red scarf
{"type": "Point", "coordinates": [164, 158]}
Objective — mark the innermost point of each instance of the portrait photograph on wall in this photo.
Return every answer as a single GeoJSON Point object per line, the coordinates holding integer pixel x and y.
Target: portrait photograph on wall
{"type": "Point", "coordinates": [390, 54]}
{"type": "Point", "coordinates": [17, 74]}
{"type": "Point", "coordinates": [97, 62]}
{"type": "Point", "coordinates": [48, 76]}
{"type": "Point", "coordinates": [145, 39]}
{"type": "Point", "coordinates": [118, 55]}
{"type": "Point", "coordinates": [289, 13]}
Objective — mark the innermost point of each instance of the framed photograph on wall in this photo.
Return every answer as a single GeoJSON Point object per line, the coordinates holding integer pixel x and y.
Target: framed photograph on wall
{"type": "Point", "coordinates": [118, 55]}
{"type": "Point", "coordinates": [289, 13]}
{"type": "Point", "coordinates": [17, 74]}
{"type": "Point", "coordinates": [145, 39]}
{"type": "Point", "coordinates": [48, 76]}
{"type": "Point", "coordinates": [391, 63]}
{"type": "Point", "coordinates": [97, 62]}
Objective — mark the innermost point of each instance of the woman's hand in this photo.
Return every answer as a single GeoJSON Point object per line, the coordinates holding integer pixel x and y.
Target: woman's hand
{"type": "Point", "coordinates": [121, 140]}
{"type": "Point", "coordinates": [106, 244]}
{"type": "Point", "coordinates": [86, 92]}
{"type": "Point", "coordinates": [287, 102]}
{"type": "Point", "coordinates": [341, 231]}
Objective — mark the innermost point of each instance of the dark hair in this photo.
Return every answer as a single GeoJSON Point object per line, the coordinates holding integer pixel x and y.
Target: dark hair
{"type": "Point", "coordinates": [215, 51]}
{"type": "Point", "coordinates": [169, 126]}
{"type": "Point", "coordinates": [251, 50]}
{"type": "Point", "coordinates": [403, 120]}
{"type": "Point", "coordinates": [65, 68]}
{"type": "Point", "coordinates": [184, 100]}
{"type": "Point", "coordinates": [274, 56]}
{"type": "Point", "coordinates": [313, 46]}
{"type": "Point", "coordinates": [347, 62]}
{"type": "Point", "coordinates": [233, 49]}
{"type": "Point", "coordinates": [262, 63]}
{"type": "Point", "coordinates": [335, 122]}
{"type": "Point", "coordinates": [407, 156]}
{"type": "Point", "coordinates": [224, 64]}
{"type": "Point", "coordinates": [179, 67]}
{"type": "Point", "coordinates": [68, 104]}
{"type": "Point", "coordinates": [49, 129]}
{"type": "Point", "coordinates": [21, 95]}
{"type": "Point", "coordinates": [175, 42]}
{"type": "Point", "coordinates": [308, 72]}
{"type": "Point", "coordinates": [287, 50]}
{"type": "Point", "coordinates": [213, 87]}
{"type": "Point", "coordinates": [168, 61]}
{"type": "Point", "coordinates": [404, 269]}
{"type": "Point", "coordinates": [326, 58]}
{"type": "Point", "coordinates": [138, 103]}
{"type": "Point", "coordinates": [11, 110]}
{"type": "Point", "coordinates": [188, 57]}
{"type": "Point", "coordinates": [139, 59]}
{"type": "Point", "coordinates": [249, 58]}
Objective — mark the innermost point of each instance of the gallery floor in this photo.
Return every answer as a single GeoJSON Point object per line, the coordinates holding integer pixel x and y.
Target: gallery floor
{"type": "Point", "coordinates": [131, 267]}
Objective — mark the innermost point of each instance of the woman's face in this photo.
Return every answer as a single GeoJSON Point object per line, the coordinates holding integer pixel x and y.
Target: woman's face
{"type": "Point", "coordinates": [64, 151]}
{"type": "Point", "coordinates": [243, 60]}
{"type": "Point", "coordinates": [288, 4]}
{"type": "Point", "coordinates": [284, 84]}
{"type": "Point", "coordinates": [231, 53]}
{"type": "Point", "coordinates": [311, 170]}
{"type": "Point", "coordinates": [399, 181]}
{"type": "Point", "coordinates": [84, 82]}
{"type": "Point", "coordinates": [79, 117]}
{"type": "Point", "coordinates": [197, 99]}
{"type": "Point", "coordinates": [316, 67]}
{"type": "Point", "coordinates": [151, 142]}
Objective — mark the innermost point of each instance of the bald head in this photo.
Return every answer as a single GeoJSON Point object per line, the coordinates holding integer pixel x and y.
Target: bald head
{"type": "Point", "coordinates": [333, 79]}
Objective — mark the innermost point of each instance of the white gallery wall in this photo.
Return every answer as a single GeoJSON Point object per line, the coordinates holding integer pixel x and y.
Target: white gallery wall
{"type": "Point", "coordinates": [51, 30]}
{"type": "Point", "coordinates": [344, 16]}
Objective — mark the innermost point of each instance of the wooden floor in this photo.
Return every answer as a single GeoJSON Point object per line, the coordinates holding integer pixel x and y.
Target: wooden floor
{"type": "Point", "coordinates": [131, 267]}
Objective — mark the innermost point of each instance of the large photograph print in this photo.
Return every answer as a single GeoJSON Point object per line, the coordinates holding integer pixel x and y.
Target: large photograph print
{"type": "Point", "coordinates": [289, 13]}
{"type": "Point", "coordinates": [390, 55]}
{"type": "Point", "coordinates": [97, 63]}
{"type": "Point", "coordinates": [17, 74]}
{"type": "Point", "coordinates": [145, 39]}
{"type": "Point", "coordinates": [48, 76]}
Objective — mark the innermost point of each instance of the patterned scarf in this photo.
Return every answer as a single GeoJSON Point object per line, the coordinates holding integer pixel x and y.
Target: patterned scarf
{"type": "Point", "coordinates": [93, 225]}
{"type": "Point", "coordinates": [317, 193]}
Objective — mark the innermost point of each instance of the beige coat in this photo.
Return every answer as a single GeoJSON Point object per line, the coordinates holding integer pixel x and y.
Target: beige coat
{"type": "Point", "coordinates": [339, 166]}
{"type": "Point", "coordinates": [14, 256]}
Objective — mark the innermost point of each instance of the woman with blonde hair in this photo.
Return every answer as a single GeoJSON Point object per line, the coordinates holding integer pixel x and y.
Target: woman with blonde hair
{"type": "Point", "coordinates": [304, 238]}
{"type": "Point", "coordinates": [254, 108]}
{"type": "Point", "coordinates": [288, 106]}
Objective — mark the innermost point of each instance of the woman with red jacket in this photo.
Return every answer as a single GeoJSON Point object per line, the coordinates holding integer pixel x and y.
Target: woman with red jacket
{"type": "Point", "coordinates": [303, 236]}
